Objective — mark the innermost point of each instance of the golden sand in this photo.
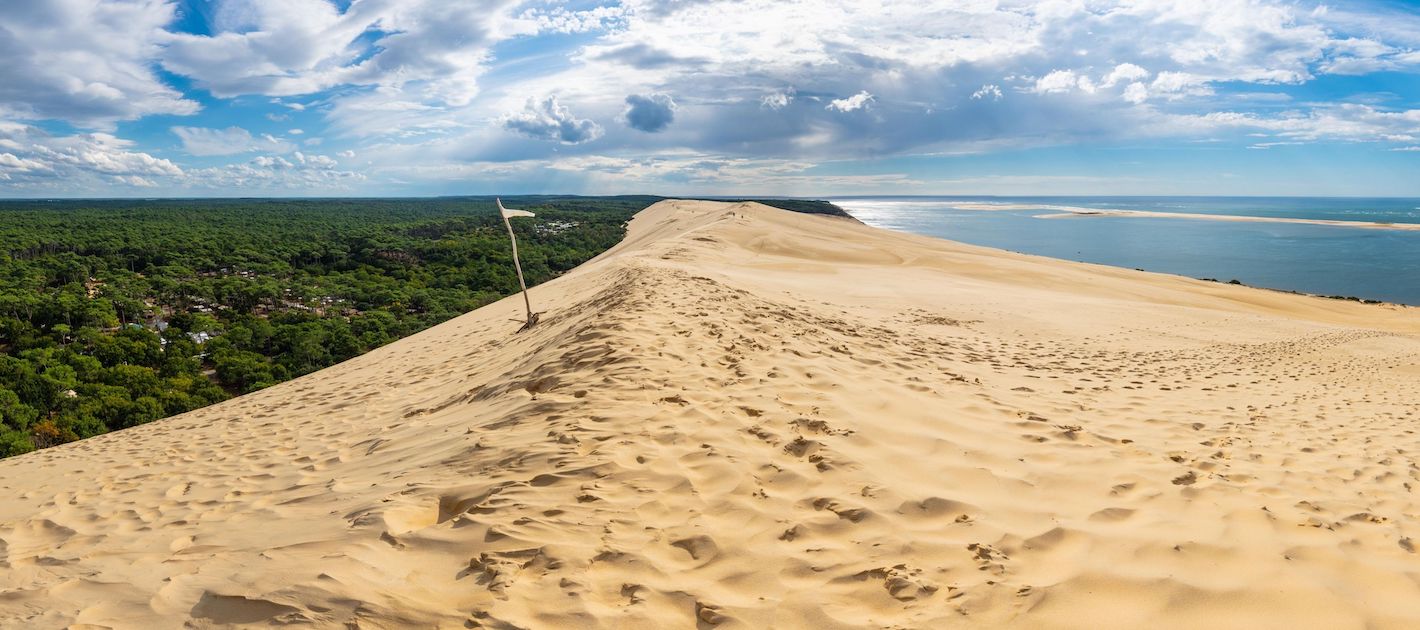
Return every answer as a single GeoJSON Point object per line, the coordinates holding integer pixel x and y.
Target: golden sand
{"type": "Point", "coordinates": [746, 418]}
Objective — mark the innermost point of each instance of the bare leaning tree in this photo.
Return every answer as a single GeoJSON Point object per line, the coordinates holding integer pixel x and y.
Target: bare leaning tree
{"type": "Point", "coordinates": [508, 213]}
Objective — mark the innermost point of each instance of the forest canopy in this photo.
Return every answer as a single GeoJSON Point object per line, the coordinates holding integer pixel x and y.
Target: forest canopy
{"type": "Point", "coordinates": [114, 313]}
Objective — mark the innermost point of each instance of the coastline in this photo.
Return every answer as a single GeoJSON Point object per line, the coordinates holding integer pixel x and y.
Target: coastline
{"type": "Point", "coordinates": [1076, 211]}
{"type": "Point", "coordinates": [1070, 212]}
{"type": "Point", "coordinates": [1307, 263]}
{"type": "Point", "coordinates": [1149, 214]}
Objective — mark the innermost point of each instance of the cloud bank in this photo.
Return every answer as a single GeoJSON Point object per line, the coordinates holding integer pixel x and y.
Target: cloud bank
{"type": "Point", "coordinates": [428, 93]}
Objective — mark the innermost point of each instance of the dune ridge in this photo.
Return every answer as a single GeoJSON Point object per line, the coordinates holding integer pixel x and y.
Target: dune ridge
{"type": "Point", "coordinates": [744, 417]}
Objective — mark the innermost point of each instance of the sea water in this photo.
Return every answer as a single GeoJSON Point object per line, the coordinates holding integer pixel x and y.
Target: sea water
{"type": "Point", "coordinates": [1367, 263]}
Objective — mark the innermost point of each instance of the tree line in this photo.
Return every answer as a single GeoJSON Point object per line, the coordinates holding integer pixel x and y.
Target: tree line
{"type": "Point", "coordinates": [114, 313]}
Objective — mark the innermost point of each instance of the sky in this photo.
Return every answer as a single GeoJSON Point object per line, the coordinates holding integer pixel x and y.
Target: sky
{"type": "Point", "coordinates": [196, 98]}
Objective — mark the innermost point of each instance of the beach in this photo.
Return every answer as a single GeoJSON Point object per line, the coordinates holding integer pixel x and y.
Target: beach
{"type": "Point", "coordinates": [742, 417]}
{"type": "Point", "coordinates": [1065, 212]}
{"type": "Point", "coordinates": [1082, 212]}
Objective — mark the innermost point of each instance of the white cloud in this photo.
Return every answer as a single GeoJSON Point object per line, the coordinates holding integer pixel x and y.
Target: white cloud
{"type": "Point", "coordinates": [1062, 81]}
{"type": "Point", "coordinates": [1179, 84]}
{"type": "Point", "coordinates": [230, 141]}
{"type": "Point", "coordinates": [38, 161]}
{"type": "Point", "coordinates": [88, 63]}
{"type": "Point", "coordinates": [851, 103]}
{"type": "Point", "coordinates": [135, 181]}
{"type": "Point", "coordinates": [895, 32]}
{"type": "Point", "coordinates": [1136, 93]}
{"type": "Point", "coordinates": [11, 162]}
{"type": "Point", "coordinates": [560, 20]}
{"type": "Point", "coordinates": [295, 47]}
{"type": "Point", "coordinates": [777, 100]}
{"type": "Point", "coordinates": [99, 163]}
{"type": "Point", "coordinates": [1170, 52]}
{"type": "Point", "coordinates": [299, 173]}
{"type": "Point", "coordinates": [1056, 82]}
{"type": "Point", "coordinates": [1346, 122]}
{"type": "Point", "coordinates": [389, 111]}
{"type": "Point", "coordinates": [988, 91]}
{"type": "Point", "coordinates": [413, 84]}
{"type": "Point", "coordinates": [1123, 73]}
{"type": "Point", "coordinates": [693, 173]}
{"type": "Point", "coordinates": [547, 119]}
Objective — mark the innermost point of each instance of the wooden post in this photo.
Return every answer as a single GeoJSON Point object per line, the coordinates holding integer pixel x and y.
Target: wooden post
{"type": "Point", "coordinates": [527, 303]}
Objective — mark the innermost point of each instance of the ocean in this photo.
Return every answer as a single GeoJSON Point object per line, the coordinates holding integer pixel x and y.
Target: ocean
{"type": "Point", "coordinates": [1371, 264]}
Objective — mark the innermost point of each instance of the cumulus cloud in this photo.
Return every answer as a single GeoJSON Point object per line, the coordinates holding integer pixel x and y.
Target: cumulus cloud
{"type": "Point", "coordinates": [1180, 84]}
{"type": "Point", "coordinates": [1124, 73]}
{"type": "Point", "coordinates": [777, 100]}
{"type": "Point", "coordinates": [649, 112]}
{"type": "Point", "coordinates": [561, 20]}
{"type": "Point", "coordinates": [1136, 93]}
{"type": "Point", "coordinates": [547, 119]}
{"type": "Point", "coordinates": [851, 103]}
{"type": "Point", "coordinates": [88, 63]}
{"type": "Point", "coordinates": [297, 172]}
{"type": "Point", "coordinates": [988, 91]}
{"type": "Point", "coordinates": [230, 141]}
{"type": "Point", "coordinates": [1060, 81]}
{"type": "Point", "coordinates": [294, 47]}
{"type": "Point", "coordinates": [32, 159]}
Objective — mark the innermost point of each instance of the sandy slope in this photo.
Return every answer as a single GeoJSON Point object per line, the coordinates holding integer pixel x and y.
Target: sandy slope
{"type": "Point", "coordinates": [742, 417]}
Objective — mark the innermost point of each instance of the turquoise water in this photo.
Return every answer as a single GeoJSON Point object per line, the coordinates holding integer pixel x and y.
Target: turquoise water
{"type": "Point", "coordinates": [1373, 264]}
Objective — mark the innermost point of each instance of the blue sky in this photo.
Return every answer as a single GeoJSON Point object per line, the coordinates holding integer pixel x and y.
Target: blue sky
{"type": "Point", "coordinates": [731, 97]}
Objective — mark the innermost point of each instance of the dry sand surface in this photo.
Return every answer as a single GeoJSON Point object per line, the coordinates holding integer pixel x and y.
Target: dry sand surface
{"type": "Point", "coordinates": [746, 418]}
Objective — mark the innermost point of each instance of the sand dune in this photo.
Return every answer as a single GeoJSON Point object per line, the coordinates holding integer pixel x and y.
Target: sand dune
{"type": "Point", "coordinates": [746, 418]}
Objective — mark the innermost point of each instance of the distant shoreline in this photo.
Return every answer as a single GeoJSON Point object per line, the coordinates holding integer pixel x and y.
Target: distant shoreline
{"type": "Point", "coordinates": [1345, 298]}
{"type": "Point", "coordinates": [1070, 212]}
